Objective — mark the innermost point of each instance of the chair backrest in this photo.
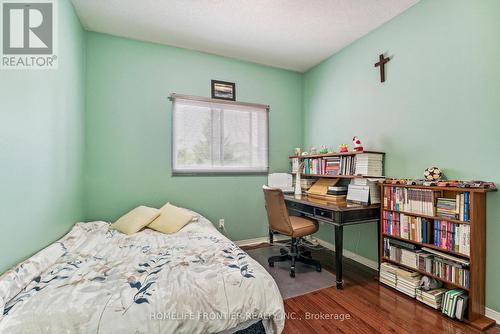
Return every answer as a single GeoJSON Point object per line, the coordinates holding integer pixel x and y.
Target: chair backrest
{"type": "Point", "coordinates": [277, 213]}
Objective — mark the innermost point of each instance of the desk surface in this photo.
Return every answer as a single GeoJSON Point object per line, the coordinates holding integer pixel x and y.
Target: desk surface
{"type": "Point", "coordinates": [324, 204]}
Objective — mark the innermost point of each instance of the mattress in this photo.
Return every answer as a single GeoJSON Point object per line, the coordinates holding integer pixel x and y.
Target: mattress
{"type": "Point", "coordinates": [97, 280]}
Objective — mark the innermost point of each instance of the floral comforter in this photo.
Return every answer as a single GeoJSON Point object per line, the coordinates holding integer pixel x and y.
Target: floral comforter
{"type": "Point", "coordinates": [96, 280]}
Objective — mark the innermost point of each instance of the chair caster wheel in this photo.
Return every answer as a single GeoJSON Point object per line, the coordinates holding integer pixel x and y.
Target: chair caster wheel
{"type": "Point", "coordinates": [271, 264]}
{"type": "Point", "coordinates": [318, 269]}
{"type": "Point", "coordinates": [292, 274]}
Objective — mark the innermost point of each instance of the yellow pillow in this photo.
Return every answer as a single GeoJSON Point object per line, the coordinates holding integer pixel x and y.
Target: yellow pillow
{"type": "Point", "coordinates": [171, 219]}
{"type": "Point", "coordinates": [135, 220]}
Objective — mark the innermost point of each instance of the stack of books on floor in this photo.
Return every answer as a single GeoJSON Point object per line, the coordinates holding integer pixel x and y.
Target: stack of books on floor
{"type": "Point", "coordinates": [433, 298]}
{"type": "Point", "coordinates": [369, 164]}
{"type": "Point", "coordinates": [407, 281]}
{"type": "Point", "coordinates": [399, 278]}
{"type": "Point", "coordinates": [452, 237]}
{"type": "Point", "coordinates": [418, 201]}
{"type": "Point", "coordinates": [455, 303]}
{"type": "Point", "coordinates": [388, 274]}
{"type": "Point", "coordinates": [454, 208]}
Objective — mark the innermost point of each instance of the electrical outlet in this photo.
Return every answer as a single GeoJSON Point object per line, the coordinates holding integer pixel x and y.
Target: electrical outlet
{"type": "Point", "coordinates": [221, 223]}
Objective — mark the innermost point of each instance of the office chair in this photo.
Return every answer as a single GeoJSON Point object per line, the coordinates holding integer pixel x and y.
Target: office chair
{"type": "Point", "coordinates": [294, 227]}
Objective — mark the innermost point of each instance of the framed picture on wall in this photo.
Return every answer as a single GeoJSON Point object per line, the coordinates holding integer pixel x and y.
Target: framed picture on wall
{"type": "Point", "coordinates": [223, 90]}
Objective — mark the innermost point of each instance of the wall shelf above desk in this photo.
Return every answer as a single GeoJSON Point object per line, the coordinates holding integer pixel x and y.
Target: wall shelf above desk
{"type": "Point", "coordinates": [349, 165]}
{"type": "Point", "coordinates": [332, 154]}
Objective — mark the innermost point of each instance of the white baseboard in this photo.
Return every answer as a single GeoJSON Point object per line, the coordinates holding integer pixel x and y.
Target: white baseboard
{"type": "Point", "coordinates": [350, 255]}
{"type": "Point", "coordinates": [256, 241]}
{"type": "Point", "coordinates": [492, 314]}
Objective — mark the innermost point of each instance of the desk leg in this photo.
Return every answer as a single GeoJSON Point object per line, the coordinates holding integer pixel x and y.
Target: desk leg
{"type": "Point", "coordinates": [338, 254]}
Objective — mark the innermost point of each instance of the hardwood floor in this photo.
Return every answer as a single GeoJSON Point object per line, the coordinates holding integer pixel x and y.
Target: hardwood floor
{"type": "Point", "coordinates": [364, 306]}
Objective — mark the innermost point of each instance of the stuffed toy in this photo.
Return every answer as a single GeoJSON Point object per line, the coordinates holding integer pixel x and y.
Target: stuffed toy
{"type": "Point", "coordinates": [357, 144]}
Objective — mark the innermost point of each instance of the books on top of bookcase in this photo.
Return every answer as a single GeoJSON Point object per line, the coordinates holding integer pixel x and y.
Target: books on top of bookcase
{"type": "Point", "coordinates": [399, 278]}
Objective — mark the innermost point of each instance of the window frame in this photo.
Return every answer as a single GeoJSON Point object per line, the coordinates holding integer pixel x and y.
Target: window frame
{"type": "Point", "coordinates": [178, 172]}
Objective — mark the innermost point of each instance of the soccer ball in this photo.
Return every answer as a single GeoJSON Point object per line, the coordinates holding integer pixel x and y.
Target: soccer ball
{"type": "Point", "coordinates": [432, 174]}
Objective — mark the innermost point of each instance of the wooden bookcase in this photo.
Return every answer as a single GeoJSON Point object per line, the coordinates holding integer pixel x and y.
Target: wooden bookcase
{"type": "Point", "coordinates": [335, 154]}
{"type": "Point", "coordinates": [477, 257]}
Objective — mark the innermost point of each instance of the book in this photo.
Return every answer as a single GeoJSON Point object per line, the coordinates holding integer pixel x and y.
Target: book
{"type": "Point", "coordinates": [450, 302]}
{"type": "Point", "coordinates": [369, 164]}
{"type": "Point", "coordinates": [452, 236]}
{"type": "Point", "coordinates": [461, 307]}
{"type": "Point", "coordinates": [432, 298]}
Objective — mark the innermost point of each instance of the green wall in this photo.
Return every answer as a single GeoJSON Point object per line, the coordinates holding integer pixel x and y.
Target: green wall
{"type": "Point", "coordinates": [92, 139]}
{"type": "Point", "coordinates": [41, 147]}
{"type": "Point", "coordinates": [128, 130]}
{"type": "Point", "coordinates": [439, 106]}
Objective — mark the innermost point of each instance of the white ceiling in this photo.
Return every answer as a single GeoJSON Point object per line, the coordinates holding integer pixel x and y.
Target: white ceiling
{"type": "Point", "coordinates": [290, 34]}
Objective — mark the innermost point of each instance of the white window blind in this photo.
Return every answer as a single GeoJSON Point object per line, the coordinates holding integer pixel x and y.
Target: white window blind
{"type": "Point", "coordinates": [213, 137]}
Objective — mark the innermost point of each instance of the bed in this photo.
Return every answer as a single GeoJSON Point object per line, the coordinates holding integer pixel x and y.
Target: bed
{"type": "Point", "coordinates": [97, 280]}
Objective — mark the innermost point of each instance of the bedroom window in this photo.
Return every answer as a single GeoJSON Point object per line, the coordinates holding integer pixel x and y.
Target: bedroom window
{"type": "Point", "coordinates": [215, 136]}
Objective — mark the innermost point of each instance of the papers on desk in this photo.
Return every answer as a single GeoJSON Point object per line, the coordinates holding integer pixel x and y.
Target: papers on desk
{"type": "Point", "coordinates": [364, 191]}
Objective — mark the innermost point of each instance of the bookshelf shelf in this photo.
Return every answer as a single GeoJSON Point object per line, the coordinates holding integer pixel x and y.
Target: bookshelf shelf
{"type": "Point", "coordinates": [428, 217]}
{"type": "Point", "coordinates": [332, 154]}
{"type": "Point", "coordinates": [427, 245]}
{"type": "Point", "coordinates": [455, 285]}
{"type": "Point", "coordinates": [477, 267]}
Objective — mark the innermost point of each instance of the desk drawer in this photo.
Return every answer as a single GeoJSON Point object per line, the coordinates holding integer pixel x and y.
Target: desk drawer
{"type": "Point", "coordinates": [323, 214]}
{"type": "Point", "coordinates": [306, 209]}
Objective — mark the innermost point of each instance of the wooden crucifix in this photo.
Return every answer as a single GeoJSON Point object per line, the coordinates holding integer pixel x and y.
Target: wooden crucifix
{"type": "Point", "coordinates": [381, 64]}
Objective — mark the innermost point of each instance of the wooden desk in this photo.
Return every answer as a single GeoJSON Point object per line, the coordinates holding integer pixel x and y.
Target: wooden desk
{"type": "Point", "coordinates": [338, 215]}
